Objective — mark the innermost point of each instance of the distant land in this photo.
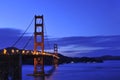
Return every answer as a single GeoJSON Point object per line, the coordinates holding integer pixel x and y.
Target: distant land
{"type": "Point", "coordinates": [28, 58]}
{"type": "Point", "coordinates": [109, 57]}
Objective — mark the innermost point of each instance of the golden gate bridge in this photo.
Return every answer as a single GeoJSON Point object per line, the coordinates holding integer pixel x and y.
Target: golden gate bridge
{"type": "Point", "coordinates": [38, 43]}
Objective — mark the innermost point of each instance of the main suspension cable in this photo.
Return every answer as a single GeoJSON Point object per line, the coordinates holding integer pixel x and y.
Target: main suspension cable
{"type": "Point", "coordinates": [23, 33]}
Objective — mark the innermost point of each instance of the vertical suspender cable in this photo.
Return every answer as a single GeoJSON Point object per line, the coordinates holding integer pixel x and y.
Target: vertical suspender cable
{"type": "Point", "coordinates": [28, 42]}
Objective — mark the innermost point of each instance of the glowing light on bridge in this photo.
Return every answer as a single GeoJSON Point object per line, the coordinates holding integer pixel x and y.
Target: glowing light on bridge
{"type": "Point", "coordinates": [27, 52]}
{"type": "Point", "coordinates": [13, 51]}
{"type": "Point", "coordinates": [23, 52]}
{"type": "Point", "coordinates": [44, 53]}
{"type": "Point", "coordinates": [32, 52]}
{"type": "Point", "coordinates": [5, 51]}
{"type": "Point", "coordinates": [17, 51]}
{"type": "Point", "coordinates": [36, 53]}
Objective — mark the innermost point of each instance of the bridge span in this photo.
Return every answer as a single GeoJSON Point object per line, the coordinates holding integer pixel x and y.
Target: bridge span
{"type": "Point", "coordinates": [38, 54]}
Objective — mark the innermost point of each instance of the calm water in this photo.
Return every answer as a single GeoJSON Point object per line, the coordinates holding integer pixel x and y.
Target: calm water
{"type": "Point", "coordinates": [109, 70]}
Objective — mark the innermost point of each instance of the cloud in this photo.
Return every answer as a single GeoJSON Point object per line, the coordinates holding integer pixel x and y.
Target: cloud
{"type": "Point", "coordinates": [90, 46]}
{"type": "Point", "coordinates": [9, 32]}
{"type": "Point", "coordinates": [69, 46]}
{"type": "Point", "coordinates": [8, 36]}
{"type": "Point", "coordinates": [96, 41]}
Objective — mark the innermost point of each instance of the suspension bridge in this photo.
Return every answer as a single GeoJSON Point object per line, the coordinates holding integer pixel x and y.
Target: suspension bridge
{"type": "Point", "coordinates": [39, 48]}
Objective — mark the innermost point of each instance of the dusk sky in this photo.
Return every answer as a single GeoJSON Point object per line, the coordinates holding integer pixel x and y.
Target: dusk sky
{"type": "Point", "coordinates": [80, 27]}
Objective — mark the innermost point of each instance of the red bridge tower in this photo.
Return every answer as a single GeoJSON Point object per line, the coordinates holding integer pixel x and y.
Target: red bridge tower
{"type": "Point", "coordinates": [39, 43]}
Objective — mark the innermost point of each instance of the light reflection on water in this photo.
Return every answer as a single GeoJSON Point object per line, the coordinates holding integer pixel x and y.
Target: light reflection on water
{"type": "Point", "coordinates": [108, 70]}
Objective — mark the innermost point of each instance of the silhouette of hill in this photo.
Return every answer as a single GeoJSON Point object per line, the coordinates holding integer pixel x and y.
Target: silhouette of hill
{"type": "Point", "coordinates": [109, 57]}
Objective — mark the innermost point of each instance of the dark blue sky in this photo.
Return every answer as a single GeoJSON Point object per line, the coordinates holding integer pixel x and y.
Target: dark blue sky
{"type": "Point", "coordinates": [63, 19]}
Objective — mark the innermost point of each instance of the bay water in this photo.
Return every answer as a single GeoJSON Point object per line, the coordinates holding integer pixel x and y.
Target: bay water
{"type": "Point", "coordinates": [108, 70]}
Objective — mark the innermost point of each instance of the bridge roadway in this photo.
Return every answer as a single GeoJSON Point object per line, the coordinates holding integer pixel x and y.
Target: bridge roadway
{"type": "Point", "coordinates": [25, 52]}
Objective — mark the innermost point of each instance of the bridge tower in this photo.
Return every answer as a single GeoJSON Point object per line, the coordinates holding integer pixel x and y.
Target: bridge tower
{"type": "Point", "coordinates": [55, 61]}
{"type": "Point", "coordinates": [39, 43]}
